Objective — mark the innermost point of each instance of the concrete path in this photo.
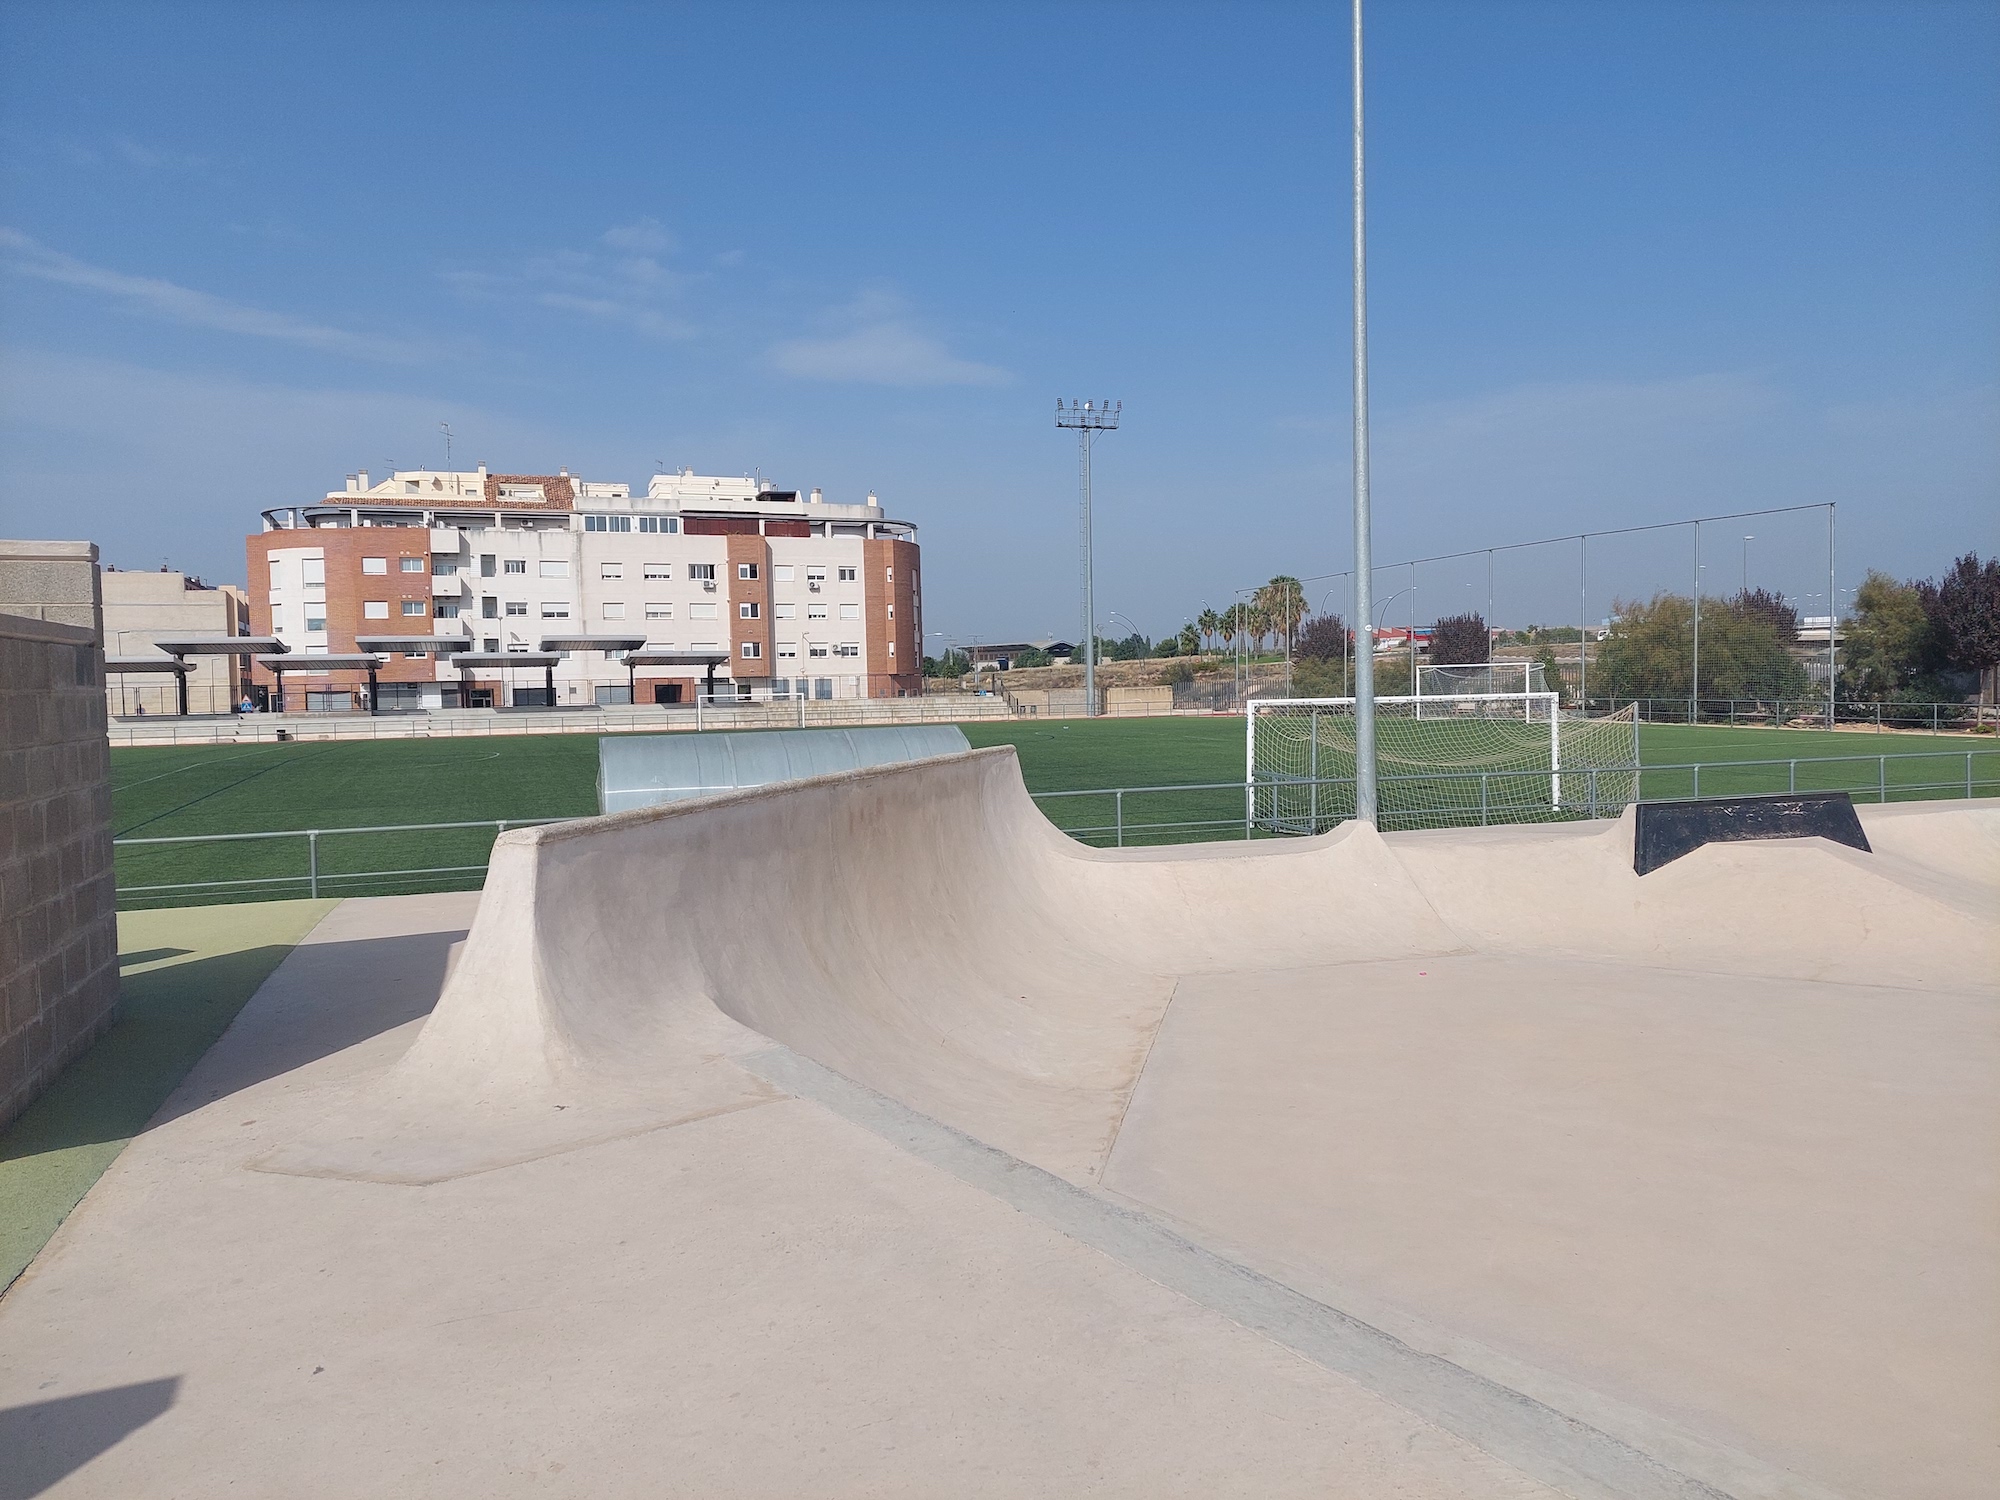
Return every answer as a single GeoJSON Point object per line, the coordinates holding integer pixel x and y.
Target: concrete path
{"type": "Point", "coordinates": [867, 1136]}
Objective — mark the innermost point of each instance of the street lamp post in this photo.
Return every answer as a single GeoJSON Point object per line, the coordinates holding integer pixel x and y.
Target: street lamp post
{"type": "Point", "coordinates": [1364, 560]}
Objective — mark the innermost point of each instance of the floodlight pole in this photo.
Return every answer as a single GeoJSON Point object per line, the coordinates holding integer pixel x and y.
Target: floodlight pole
{"type": "Point", "coordinates": [1364, 661]}
{"type": "Point", "coordinates": [1088, 418]}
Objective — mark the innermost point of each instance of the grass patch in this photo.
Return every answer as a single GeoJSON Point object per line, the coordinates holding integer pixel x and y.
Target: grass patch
{"type": "Point", "coordinates": [183, 977]}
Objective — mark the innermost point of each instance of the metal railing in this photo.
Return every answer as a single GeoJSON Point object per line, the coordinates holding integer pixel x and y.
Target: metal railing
{"type": "Point", "coordinates": [1198, 812]}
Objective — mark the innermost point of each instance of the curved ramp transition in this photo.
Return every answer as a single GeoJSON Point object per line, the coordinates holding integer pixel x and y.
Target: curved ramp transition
{"type": "Point", "coordinates": [922, 929]}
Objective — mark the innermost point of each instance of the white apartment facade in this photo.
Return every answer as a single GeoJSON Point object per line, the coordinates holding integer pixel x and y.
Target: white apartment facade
{"type": "Point", "coordinates": [796, 595]}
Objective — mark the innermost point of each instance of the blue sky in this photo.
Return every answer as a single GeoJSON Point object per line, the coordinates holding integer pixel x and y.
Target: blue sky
{"type": "Point", "coordinates": [1630, 261]}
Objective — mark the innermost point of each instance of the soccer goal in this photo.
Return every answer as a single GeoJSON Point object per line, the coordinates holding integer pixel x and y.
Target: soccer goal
{"type": "Point", "coordinates": [1443, 760]}
{"type": "Point", "coordinates": [1482, 679]}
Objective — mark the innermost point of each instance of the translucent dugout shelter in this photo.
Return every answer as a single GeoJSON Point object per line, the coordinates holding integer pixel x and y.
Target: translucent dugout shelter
{"type": "Point", "coordinates": [646, 770]}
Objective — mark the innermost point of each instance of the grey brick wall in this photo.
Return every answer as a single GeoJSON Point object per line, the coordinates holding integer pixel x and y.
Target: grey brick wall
{"type": "Point", "coordinates": [58, 907]}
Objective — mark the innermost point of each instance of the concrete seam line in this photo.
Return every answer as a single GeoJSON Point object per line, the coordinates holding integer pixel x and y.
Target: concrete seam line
{"type": "Point", "coordinates": [1138, 1077]}
{"type": "Point", "coordinates": [1540, 1441]}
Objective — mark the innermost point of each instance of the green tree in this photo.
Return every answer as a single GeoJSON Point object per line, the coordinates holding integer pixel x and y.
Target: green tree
{"type": "Point", "coordinates": [1458, 639]}
{"type": "Point", "coordinates": [1887, 640]}
{"type": "Point", "coordinates": [1964, 612]}
{"type": "Point", "coordinates": [953, 664]}
{"type": "Point", "coordinates": [1283, 603]}
{"type": "Point", "coordinates": [1209, 623]}
{"type": "Point", "coordinates": [1190, 641]}
{"type": "Point", "coordinates": [1034, 656]}
{"type": "Point", "coordinates": [1649, 652]}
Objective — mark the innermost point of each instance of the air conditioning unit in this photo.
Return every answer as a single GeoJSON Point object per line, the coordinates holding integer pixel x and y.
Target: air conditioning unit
{"type": "Point", "coordinates": [708, 585]}
{"type": "Point", "coordinates": [813, 587]}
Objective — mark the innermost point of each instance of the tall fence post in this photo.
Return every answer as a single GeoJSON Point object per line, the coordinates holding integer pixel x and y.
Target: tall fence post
{"type": "Point", "coordinates": [1968, 773]}
{"type": "Point", "coordinates": [1792, 784]}
{"type": "Point", "coordinates": [1118, 814]}
{"type": "Point", "coordinates": [1483, 778]}
{"type": "Point", "coordinates": [312, 862]}
{"type": "Point", "coordinates": [1697, 782]}
{"type": "Point", "coordinates": [1881, 778]}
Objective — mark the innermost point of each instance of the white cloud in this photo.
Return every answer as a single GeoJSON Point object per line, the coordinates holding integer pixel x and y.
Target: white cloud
{"type": "Point", "coordinates": [173, 303]}
{"type": "Point", "coordinates": [633, 290]}
{"type": "Point", "coordinates": [646, 236]}
{"type": "Point", "coordinates": [878, 343]}
{"type": "Point", "coordinates": [154, 464]}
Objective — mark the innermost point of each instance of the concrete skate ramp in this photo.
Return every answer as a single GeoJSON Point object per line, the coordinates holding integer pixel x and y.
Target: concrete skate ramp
{"type": "Point", "coordinates": [922, 929]}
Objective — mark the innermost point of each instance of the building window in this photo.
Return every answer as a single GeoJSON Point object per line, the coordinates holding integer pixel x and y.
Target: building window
{"type": "Point", "coordinates": [447, 609]}
{"type": "Point", "coordinates": [611, 570]}
{"type": "Point", "coordinates": [781, 573]}
{"type": "Point", "coordinates": [515, 565]}
{"type": "Point", "coordinates": [892, 649]}
{"type": "Point", "coordinates": [892, 611]}
{"type": "Point", "coordinates": [788, 650]}
{"type": "Point", "coordinates": [701, 611]}
{"type": "Point", "coordinates": [786, 611]}
{"type": "Point", "coordinates": [815, 611]}
{"type": "Point", "coordinates": [813, 649]}
{"type": "Point", "coordinates": [614, 609]}
{"type": "Point", "coordinates": [656, 571]}
{"type": "Point", "coordinates": [752, 650]}
{"type": "Point", "coordinates": [815, 578]}
{"type": "Point", "coordinates": [411, 564]}
{"type": "Point", "coordinates": [277, 574]}
{"type": "Point", "coordinates": [416, 607]}
{"type": "Point", "coordinates": [315, 623]}
{"type": "Point", "coordinates": [746, 570]}
{"type": "Point", "coordinates": [747, 610]}
{"type": "Point", "coordinates": [489, 608]}
{"type": "Point", "coordinates": [607, 523]}
{"type": "Point", "coordinates": [889, 575]}
{"type": "Point", "coordinates": [850, 611]}
{"type": "Point", "coordinates": [487, 564]}
{"type": "Point", "coordinates": [666, 524]}
{"type": "Point", "coordinates": [444, 567]}
{"type": "Point", "coordinates": [555, 567]}
{"type": "Point", "coordinates": [490, 644]}
{"type": "Point", "coordinates": [554, 611]}
{"type": "Point", "coordinates": [375, 609]}
{"type": "Point", "coordinates": [847, 648]}
{"type": "Point", "coordinates": [410, 487]}
{"type": "Point", "coordinates": [374, 564]}
{"type": "Point", "coordinates": [517, 608]}
{"type": "Point", "coordinates": [314, 569]}
{"type": "Point", "coordinates": [701, 572]}
{"type": "Point", "coordinates": [659, 611]}
{"type": "Point", "coordinates": [847, 575]}
{"type": "Point", "coordinates": [277, 618]}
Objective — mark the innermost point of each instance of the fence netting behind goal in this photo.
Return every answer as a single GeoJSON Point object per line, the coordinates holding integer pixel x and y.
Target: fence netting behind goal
{"type": "Point", "coordinates": [1443, 761]}
{"type": "Point", "coordinates": [1449, 679]}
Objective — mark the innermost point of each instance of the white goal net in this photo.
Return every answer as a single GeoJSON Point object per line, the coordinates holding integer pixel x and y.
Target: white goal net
{"type": "Point", "coordinates": [1456, 679]}
{"type": "Point", "coordinates": [1443, 760]}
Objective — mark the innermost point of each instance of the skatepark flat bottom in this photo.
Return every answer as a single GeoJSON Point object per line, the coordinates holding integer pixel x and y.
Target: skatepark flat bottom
{"type": "Point", "coordinates": [866, 1136]}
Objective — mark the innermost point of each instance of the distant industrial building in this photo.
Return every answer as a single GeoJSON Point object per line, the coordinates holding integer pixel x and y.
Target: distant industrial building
{"type": "Point", "coordinates": [480, 590]}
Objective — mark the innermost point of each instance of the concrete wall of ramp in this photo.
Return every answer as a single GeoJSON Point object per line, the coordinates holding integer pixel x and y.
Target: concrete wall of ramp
{"type": "Point", "coordinates": [58, 914]}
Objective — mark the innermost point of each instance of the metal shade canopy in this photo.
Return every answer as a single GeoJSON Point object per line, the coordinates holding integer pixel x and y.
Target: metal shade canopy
{"type": "Point", "coordinates": [146, 664]}
{"type": "Point", "coordinates": [350, 662]}
{"type": "Point", "coordinates": [676, 658]}
{"type": "Point", "coordinates": [467, 660]}
{"type": "Point", "coordinates": [227, 645]}
{"type": "Point", "coordinates": [592, 642]}
{"type": "Point", "coordinates": [435, 645]}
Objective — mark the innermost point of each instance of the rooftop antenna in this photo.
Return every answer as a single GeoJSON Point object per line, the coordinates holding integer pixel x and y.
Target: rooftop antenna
{"type": "Point", "coordinates": [1088, 419]}
{"type": "Point", "coordinates": [445, 428]}
{"type": "Point", "coordinates": [1364, 593]}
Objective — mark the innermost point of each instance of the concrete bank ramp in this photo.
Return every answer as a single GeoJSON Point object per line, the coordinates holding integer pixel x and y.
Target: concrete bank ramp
{"type": "Point", "coordinates": [922, 929]}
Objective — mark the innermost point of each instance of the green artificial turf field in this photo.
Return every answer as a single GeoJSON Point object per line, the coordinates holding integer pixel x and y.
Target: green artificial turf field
{"type": "Point", "coordinates": [333, 784]}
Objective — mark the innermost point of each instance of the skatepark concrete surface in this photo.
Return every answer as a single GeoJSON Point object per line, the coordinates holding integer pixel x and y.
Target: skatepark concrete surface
{"type": "Point", "coordinates": [867, 1136]}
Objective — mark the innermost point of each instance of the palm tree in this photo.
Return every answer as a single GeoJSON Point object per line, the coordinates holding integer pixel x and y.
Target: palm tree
{"type": "Point", "coordinates": [1284, 601]}
{"type": "Point", "coordinates": [1209, 623]}
{"type": "Point", "coordinates": [1190, 640]}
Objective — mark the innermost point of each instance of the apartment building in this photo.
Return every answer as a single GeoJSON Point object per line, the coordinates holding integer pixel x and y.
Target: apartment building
{"type": "Point", "coordinates": [782, 593]}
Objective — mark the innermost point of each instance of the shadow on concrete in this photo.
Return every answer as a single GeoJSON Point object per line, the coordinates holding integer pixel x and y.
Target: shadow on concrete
{"type": "Point", "coordinates": [46, 1441]}
{"type": "Point", "coordinates": [326, 998]}
{"type": "Point", "coordinates": [149, 955]}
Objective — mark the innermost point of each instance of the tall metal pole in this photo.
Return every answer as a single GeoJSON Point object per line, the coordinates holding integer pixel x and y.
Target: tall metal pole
{"type": "Point", "coordinates": [1083, 441]}
{"type": "Point", "coordinates": [1582, 629]}
{"type": "Point", "coordinates": [1364, 562]}
{"type": "Point", "coordinates": [1694, 683]}
{"type": "Point", "coordinates": [1832, 616]}
{"type": "Point", "coordinates": [1088, 418]}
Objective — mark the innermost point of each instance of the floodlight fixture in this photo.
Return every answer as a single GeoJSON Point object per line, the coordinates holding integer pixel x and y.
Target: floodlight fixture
{"type": "Point", "coordinates": [1088, 419]}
